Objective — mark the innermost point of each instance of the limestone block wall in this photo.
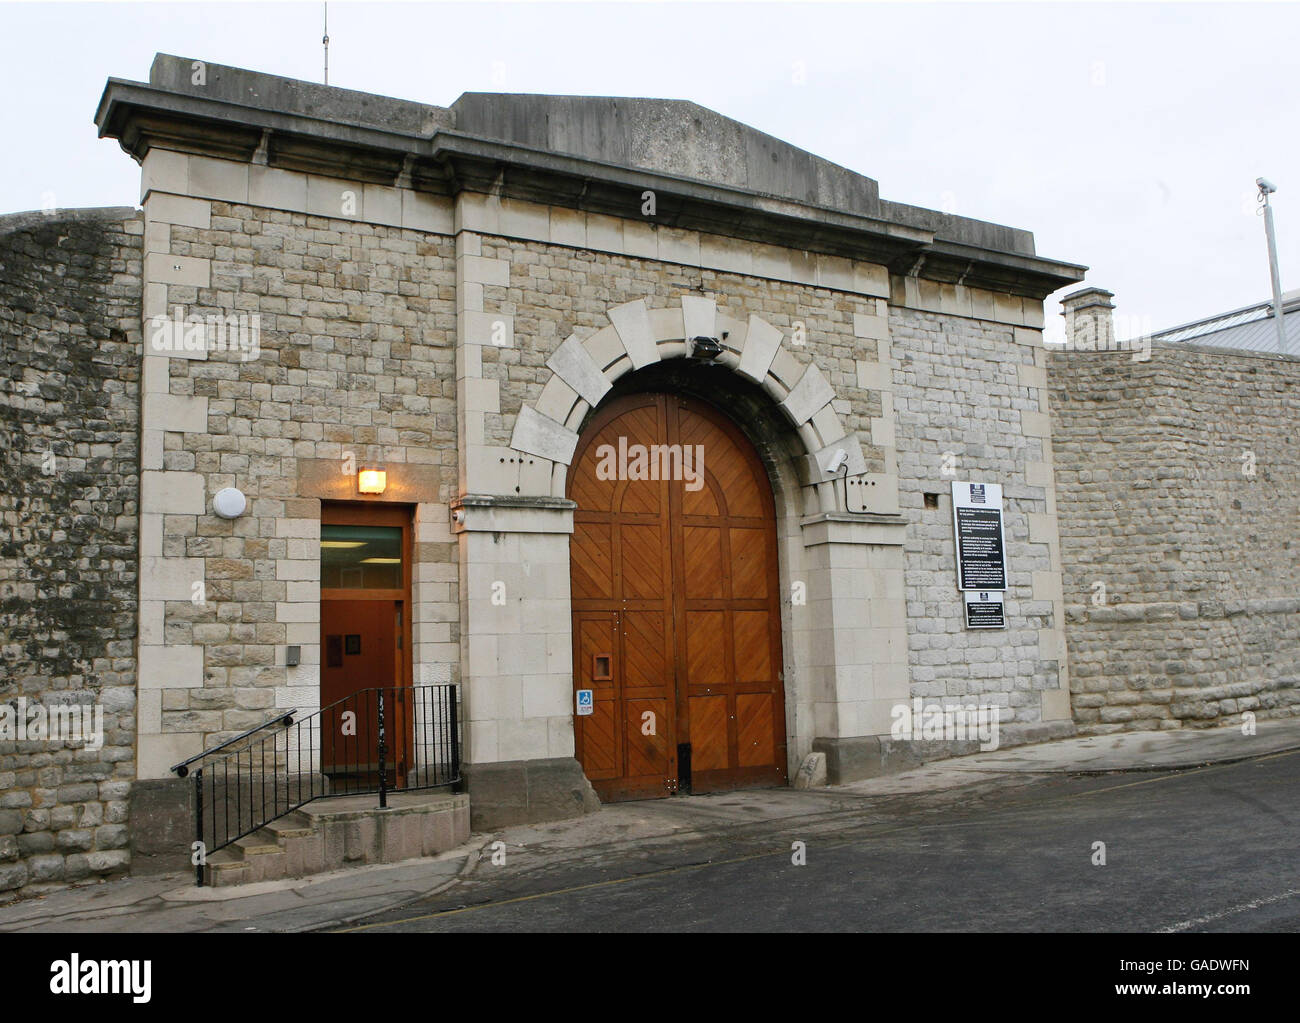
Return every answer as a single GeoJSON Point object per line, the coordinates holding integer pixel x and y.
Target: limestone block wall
{"type": "Point", "coordinates": [354, 290]}
{"type": "Point", "coordinates": [69, 420]}
{"type": "Point", "coordinates": [971, 403]}
{"type": "Point", "coordinates": [1178, 480]}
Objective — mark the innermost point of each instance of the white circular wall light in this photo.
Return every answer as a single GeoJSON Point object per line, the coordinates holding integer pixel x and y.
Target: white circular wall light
{"type": "Point", "coordinates": [229, 503]}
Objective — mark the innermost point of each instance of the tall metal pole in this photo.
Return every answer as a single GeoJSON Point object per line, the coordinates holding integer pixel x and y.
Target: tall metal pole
{"type": "Point", "coordinates": [1265, 189]}
{"type": "Point", "coordinates": [325, 41]}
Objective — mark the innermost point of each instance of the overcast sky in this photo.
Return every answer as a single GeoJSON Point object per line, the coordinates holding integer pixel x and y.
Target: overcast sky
{"type": "Point", "coordinates": [1127, 137]}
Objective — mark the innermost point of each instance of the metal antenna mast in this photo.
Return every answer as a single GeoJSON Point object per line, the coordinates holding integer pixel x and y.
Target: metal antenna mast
{"type": "Point", "coordinates": [325, 41]}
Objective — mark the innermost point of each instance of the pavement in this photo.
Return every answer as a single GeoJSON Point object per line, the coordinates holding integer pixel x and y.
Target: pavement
{"type": "Point", "coordinates": [651, 831]}
{"type": "Point", "coordinates": [1207, 849]}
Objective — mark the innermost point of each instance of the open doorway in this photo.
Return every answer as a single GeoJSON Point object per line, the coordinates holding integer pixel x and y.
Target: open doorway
{"type": "Point", "coordinates": [365, 621]}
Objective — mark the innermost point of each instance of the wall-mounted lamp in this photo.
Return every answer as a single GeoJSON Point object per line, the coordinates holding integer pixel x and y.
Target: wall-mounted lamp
{"type": "Point", "coordinates": [372, 480]}
{"type": "Point", "coordinates": [706, 349]}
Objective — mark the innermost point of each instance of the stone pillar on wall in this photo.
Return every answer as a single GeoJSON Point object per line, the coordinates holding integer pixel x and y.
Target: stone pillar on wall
{"type": "Point", "coordinates": [170, 490]}
{"type": "Point", "coordinates": [1089, 320]}
{"type": "Point", "coordinates": [168, 485]}
{"type": "Point", "coordinates": [517, 660]}
{"type": "Point", "coordinates": [1046, 586]}
{"type": "Point", "coordinates": [516, 634]}
{"type": "Point", "coordinates": [856, 655]}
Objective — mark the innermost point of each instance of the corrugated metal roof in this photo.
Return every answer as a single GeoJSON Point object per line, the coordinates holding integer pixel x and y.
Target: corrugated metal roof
{"type": "Point", "coordinates": [1250, 328]}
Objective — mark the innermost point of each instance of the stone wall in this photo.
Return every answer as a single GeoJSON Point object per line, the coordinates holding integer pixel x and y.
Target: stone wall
{"type": "Point", "coordinates": [69, 441]}
{"type": "Point", "coordinates": [1178, 480]}
{"type": "Point", "coordinates": [970, 401]}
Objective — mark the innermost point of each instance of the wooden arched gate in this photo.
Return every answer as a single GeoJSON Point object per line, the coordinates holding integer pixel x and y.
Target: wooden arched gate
{"type": "Point", "coordinates": [676, 611]}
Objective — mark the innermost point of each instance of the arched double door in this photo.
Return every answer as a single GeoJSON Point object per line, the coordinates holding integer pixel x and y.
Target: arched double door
{"type": "Point", "coordinates": [676, 610]}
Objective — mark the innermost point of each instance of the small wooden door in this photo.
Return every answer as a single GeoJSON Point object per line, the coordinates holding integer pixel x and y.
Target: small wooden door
{"type": "Point", "coordinates": [358, 652]}
{"type": "Point", "coordinates": [676, 615]}
{"type": "Point", "coordinates": [365, 637]}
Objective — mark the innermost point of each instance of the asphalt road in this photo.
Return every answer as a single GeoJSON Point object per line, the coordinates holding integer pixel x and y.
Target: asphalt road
{"type": "Point", "coordinates": [1204, 850]}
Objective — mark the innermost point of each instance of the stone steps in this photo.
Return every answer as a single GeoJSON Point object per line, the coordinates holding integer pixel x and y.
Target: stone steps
{"type": "Point", "coordinates": [344, 831]}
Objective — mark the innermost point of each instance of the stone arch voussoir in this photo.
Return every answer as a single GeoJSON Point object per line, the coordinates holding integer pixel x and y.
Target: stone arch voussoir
{"type": "Point", "coordinates": [584, 371]}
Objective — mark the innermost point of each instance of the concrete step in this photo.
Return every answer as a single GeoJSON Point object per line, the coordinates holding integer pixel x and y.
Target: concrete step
{"type": "Point", "coordinates": [344, 831]}
{"type": "Point", "coordinates": [225, 867]}
{"type": "Point", "coordinates": [264, 857]}
{"type": "Point", "coordinates": [295, 825]}
{"type": "Point", "coordinates": [259, 843]}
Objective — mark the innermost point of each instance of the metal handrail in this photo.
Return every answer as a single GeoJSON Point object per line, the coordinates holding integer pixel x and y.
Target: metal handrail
{"type": "Point", "coordinates": [434, 756]}
{"type": "Point", "coordinates": [285, 718]}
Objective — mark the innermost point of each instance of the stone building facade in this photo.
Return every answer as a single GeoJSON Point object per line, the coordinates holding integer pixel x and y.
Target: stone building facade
{"type": "Point", "coordinates": [456, 294]}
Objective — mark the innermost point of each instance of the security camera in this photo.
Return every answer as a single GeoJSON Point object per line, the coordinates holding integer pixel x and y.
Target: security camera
{"type": "Point", "coordinates": [840, 457]}
{"type": "Point", "coordinates": [1265, 185]}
